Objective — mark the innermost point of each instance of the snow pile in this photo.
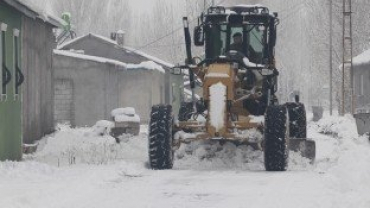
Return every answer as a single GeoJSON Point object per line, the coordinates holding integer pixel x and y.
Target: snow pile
{"type": "Point", "coordinates": [352, 169]}
{"type": "Point", "coordinates": [83, 146]}
{"type": "Point", "coordinates": [127, 114]}
{"type": "Point", "coordinates": [211, 155]}
{"type": "Point", "coordinates": [344, 127]}
{"type": "Point", "coordinates": [147, 65]}
{"type": "Point", "coordinates": [217, 105]}
{"type": "Point", "coordinates": [102, 127]}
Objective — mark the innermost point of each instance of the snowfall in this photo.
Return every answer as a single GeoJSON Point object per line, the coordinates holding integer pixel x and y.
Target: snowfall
{"type": "Point", "coordinates": [80, 168]}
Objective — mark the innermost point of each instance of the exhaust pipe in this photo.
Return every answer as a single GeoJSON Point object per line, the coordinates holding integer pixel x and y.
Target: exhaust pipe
{"type": "Point", "coordinates": [189, 62]}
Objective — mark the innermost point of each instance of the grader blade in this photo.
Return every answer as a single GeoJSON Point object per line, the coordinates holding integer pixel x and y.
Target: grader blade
{"type": "Point", "coordinates": [306, 147]}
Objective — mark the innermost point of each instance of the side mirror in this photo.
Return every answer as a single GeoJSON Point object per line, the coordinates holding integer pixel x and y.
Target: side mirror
{"type": "Point", "coordinates": [176, 70]}
{"type": "Point", "coordinates": [198, 36]}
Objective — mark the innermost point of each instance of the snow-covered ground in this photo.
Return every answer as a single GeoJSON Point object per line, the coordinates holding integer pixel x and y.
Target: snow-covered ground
{"type": "Point", "coordinates": [79, 168]}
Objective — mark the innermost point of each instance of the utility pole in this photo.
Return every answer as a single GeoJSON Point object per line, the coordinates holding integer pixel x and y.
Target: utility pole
{"type": "Point", "coordinates": [331, 56]}
{"type": "Point", "coordinates": [347, 52]}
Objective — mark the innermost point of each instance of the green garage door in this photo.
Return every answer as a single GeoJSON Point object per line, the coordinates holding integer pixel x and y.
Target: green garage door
{"type": "Point", "coordinates": [10, 101]}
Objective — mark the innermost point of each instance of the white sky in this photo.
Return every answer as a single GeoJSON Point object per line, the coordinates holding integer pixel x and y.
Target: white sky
{"type": "Point", "coordinates": [142, 5]}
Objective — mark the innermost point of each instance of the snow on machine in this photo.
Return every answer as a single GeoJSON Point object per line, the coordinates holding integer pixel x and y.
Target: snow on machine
{"type": "Point", "coordinates": [239, 81]}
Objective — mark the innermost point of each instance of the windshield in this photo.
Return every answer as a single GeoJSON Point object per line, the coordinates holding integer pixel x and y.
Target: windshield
{"type": "Point", "coordinates": [247, 39]}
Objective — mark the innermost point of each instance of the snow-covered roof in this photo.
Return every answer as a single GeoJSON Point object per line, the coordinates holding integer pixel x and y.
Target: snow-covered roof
{"type": "Point", "coordinates": [362, 59]}
{"type": "Point", "coordinates": [32, 11]}
{"type": "Point", "coordinates": [147, 65]}
{"type": "Point", "coordinates": [249, 5]}
{"type": "Point", "coordinates": [89, 58]}
{"type": "Point", "coordinates": [155, 59]}
{"type": "Point", "coordinates": [150, 65]}
{"type": "Point", "coordinates": [114, 43]}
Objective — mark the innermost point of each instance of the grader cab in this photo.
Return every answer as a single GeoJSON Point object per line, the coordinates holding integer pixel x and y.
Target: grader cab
{"type": "Point", "coordinates": [239, 81]}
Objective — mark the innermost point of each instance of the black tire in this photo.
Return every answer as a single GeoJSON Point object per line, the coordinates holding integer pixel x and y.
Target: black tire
{"type": "Point", "coordinates": [276, 138]}
{"type": "Point", "coordinates": [160, 138]}
{"type": "Point", "coordinates": [297, 120]}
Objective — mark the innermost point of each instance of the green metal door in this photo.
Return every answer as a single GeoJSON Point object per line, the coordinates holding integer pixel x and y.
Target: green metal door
{"type": "Point", "coordinates": [10, 101]}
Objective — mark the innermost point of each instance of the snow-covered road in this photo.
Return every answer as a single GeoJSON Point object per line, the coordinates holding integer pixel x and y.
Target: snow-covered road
{"type": "Point", "coordinates": [75, 168]}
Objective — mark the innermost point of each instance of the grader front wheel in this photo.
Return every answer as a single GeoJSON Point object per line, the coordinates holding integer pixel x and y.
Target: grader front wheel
{"type": "Point", "coordinates": [276, 138]}
{"type": "Point", "coordinates": [160, 138]}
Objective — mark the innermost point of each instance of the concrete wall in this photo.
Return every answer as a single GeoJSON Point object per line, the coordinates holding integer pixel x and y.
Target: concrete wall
{"type": "Point", "coordinates": [98, 88]}
{"type": "Point", "coordinates": [94, 46]}
{"type": "Point", "coordinates": [38, 43]}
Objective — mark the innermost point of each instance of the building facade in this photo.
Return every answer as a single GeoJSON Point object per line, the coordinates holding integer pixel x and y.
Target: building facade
{"type": "Point", "coordinates": [95, 75]}
{"type": "Point", "coordinates": [27, 41]}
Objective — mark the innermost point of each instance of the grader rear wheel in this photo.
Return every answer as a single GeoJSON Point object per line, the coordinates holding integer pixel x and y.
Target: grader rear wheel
{"type": "Point", "coordinates": [297, 120]}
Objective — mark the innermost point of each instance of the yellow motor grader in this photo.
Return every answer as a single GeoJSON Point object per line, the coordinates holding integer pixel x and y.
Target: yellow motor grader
{"type": "Point", "coordinates": [239, 81]}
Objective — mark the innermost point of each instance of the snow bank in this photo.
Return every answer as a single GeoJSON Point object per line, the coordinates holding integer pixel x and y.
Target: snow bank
{"type": "Point", "coordinates": [203, 155]}
{"type": "Point", "coordinates": [344, 127]}
{"type": "Point", "coordinates": [211, 155]}
{"type": "Point", "coordinates": [147, 65]}
{"type": "Point", "coordinates": [84, 146]}
{"type": "Point", "coordinates": [102, 127]}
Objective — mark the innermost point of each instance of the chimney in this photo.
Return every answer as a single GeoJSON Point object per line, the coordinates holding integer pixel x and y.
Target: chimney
{"type": "Point", "coordinates": [120, 38]}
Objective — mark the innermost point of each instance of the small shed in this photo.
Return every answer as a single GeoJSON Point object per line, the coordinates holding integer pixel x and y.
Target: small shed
{"type": "Point", "coordinates": [27, 42]}
{"type": "Point", "coordinates": [361, 81]}
{"type": "Point", "coordinates": [94, 75]}
{"type": "Point", "coordinates": [361, 85]}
